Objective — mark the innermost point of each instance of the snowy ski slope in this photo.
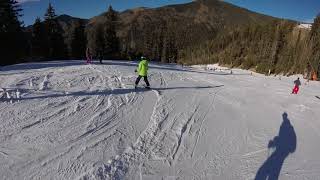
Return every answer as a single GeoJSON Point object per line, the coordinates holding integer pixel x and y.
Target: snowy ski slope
{"type": "Point", "coordinates": [77, 121]}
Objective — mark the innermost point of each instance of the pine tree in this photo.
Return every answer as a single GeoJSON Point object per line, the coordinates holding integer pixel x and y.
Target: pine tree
{"type": "Point", "coordinates": [57, 47]}
{"type": "Point", "coordinates": [169, 50]}
{"type": "Point", "coordinates": [50, 14]}
{"type": "Point", "coordinates": [11, 34]}
{"type": "Point", "coordinates": [78, 41]}
{"type": "Point", "coordinates": [315, 41]}
{"type": "Point", "coordinates": [99, 42]}
{"type": "Point", "coordinates": [148, 43]}
{"type": "Point", "coordinates": [39, 40]}
{"type": "Point", "coordinates": [111, 48]}
{"type": "Point", "coordinates": [315, 30]}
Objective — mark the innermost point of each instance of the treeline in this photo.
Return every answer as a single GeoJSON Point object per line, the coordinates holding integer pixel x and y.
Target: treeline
{"type": "Point", "coordinates": [279, 47]}
{"type": "Point", "coordinates": [102, 39]}
{"type": "Point", "coordinates": [276, 47]}
{"type": "Point", "coordinates": [160, 39]}
{"type": "Point", "coordinates": [13, 46]}
{"type": "Point", "coordinates": [163, 39]}
{"type": "Point", "coordinates": [49, 40]}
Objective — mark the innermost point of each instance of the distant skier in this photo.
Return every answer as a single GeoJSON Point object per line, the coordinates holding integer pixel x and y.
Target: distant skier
{"type": "Point", "coordinates": [142, 72]}
{"type": "Point", "coordinates": [2, 93]}
{"type": "Point", "coordinates": [297, 84]}
{"type": "Point", "coordinates": [100, 56]}
{"type": "Point", "coordinates": [88, 55]}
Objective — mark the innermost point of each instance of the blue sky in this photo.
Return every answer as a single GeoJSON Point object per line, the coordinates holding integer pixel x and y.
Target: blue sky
{"type": "Point", "coordinates": [301, 10]}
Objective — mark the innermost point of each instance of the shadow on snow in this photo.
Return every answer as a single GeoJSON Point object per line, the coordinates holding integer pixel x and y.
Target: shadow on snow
{"type": "Point", "coordinates": [41, 65]}
{"type": "Point", "coordinates": [284, 144]}
{"type": "Point", "coordinates": [153, 65]}
{"type": "Point", "coordinates": [109, 92]}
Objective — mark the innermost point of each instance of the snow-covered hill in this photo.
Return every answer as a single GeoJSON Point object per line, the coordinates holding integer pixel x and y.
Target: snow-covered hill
{"type": "Point", "coordinates": [76, 121]}
{"type": "Point", "coordinates": [305, 26]}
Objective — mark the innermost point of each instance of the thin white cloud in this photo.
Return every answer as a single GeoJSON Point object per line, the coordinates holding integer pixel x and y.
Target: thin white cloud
{"type": "Point", "coordinates": [24, 1]}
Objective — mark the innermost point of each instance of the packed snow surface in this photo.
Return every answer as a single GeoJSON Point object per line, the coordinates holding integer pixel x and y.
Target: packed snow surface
{"type": "Point", "coordinates": [68, 120]}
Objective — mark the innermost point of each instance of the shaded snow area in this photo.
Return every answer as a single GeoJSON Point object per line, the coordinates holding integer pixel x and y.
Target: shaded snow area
{"type": "Point", "coordinates": [68, 120]}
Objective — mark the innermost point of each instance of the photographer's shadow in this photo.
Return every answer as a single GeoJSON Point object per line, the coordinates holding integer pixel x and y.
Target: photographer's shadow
{"type": "Point", "coordinates": [284, 144]}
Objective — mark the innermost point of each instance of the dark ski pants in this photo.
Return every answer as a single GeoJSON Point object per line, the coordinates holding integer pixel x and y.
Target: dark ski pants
{"type": "Point", "coordinates": [145, 80]}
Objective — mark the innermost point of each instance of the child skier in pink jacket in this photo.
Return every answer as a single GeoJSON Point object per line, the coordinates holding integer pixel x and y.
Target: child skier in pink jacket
{"type": "Point", "coordinates": [89, 56]}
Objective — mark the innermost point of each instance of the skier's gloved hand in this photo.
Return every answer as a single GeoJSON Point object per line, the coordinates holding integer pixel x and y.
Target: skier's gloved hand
{"type": "Point", "coordinates": [270, 144]}
{"type": "Point", "coordinates": [273, 143]}
{"type": "Point", "coordinates": [135, 70]}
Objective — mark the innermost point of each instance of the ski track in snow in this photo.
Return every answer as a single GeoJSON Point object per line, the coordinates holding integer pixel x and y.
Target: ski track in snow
{"type": "Point", "coordinates": [76, 121]}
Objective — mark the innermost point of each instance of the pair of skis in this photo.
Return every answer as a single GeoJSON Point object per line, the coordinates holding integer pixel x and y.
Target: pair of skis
{"type": "Point", "coordinates": [139, 87]}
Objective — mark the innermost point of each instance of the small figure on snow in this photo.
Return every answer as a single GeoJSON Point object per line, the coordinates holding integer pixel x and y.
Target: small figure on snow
{"type": "Point", "coordinates": [143, 72]}
{"type": "Point", "coordinates": [18, 96]}
{"type": "Point", "coordinates": [88, 55]}
{"type": "Point", "coordinates": [8, 94]}
{"type": "Point", "coordinates": [100, 55]}
{"type": "Point", "coordinates": [297, 84]}
{"type": "Point", "coordinates": [2, 93]}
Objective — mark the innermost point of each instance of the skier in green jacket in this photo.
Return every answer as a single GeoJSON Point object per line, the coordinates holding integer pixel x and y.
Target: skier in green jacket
{"type": "Point", "coordinates": [143, 72]}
